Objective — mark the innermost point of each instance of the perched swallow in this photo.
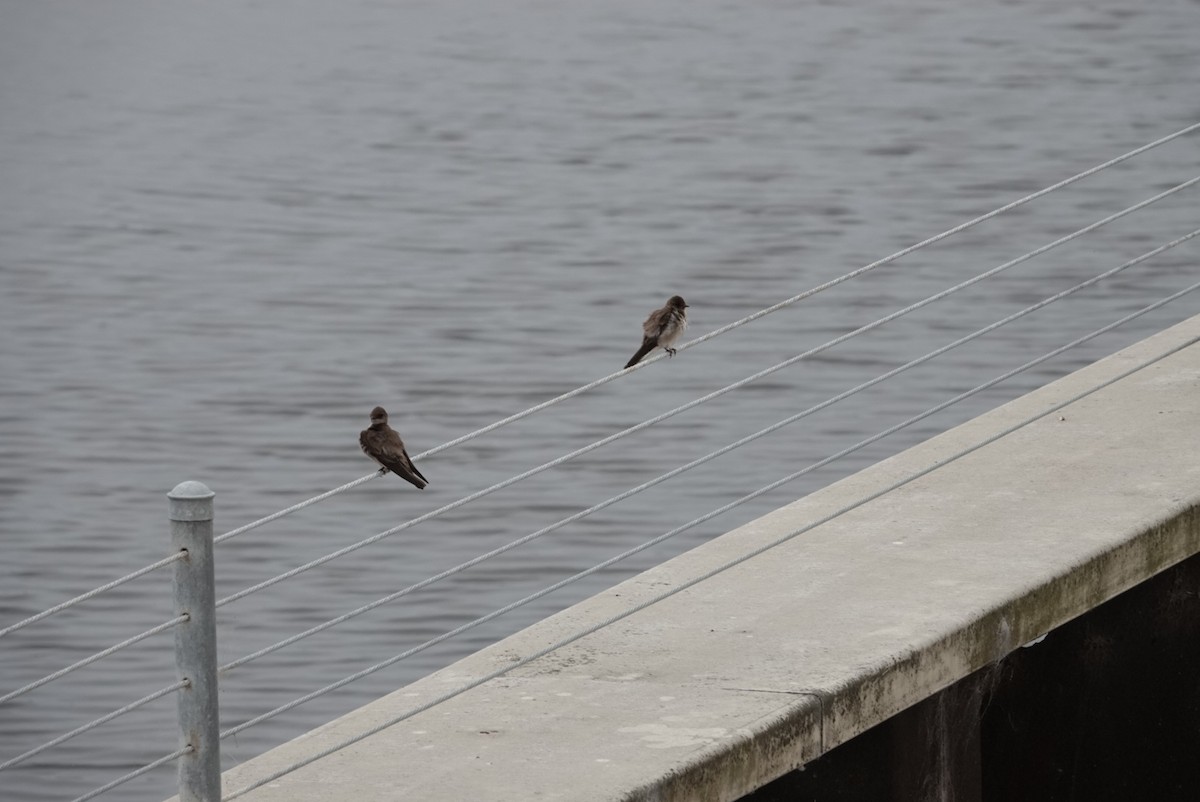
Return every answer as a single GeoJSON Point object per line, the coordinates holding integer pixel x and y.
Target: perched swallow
{"type": "Point", "coordinates": [663, 327]}
{"type": "Point", "coordinates": [381, 443]}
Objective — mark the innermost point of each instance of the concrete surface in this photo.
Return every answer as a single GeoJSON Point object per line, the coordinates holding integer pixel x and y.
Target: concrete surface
{"type": "Point", "coordinates": [1102, 709]}
{"type": "Point", "coordinates": [713, 692]}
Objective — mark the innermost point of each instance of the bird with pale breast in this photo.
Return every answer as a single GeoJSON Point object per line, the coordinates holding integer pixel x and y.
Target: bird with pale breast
{"type": "Point", "coordinates": [381, 443]}
{"type": "Point", "coordinates": [662, 329]}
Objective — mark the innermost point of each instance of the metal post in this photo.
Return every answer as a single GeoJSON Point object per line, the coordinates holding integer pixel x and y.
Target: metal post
{"type": "Point", "coordinates": [191, 514]}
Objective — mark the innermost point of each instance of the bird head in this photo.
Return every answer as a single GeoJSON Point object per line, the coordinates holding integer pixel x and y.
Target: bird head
{"type": "Point", "coordinates": [677, 302]}
{"type": "Point", "coordinates": [378, 415]}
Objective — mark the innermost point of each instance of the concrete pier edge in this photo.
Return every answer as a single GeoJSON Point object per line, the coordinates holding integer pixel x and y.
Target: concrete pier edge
{"type": "Point", "coordinates": [716, 691]}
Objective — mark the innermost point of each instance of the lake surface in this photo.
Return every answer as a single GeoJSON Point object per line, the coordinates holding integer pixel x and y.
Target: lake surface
{"type": "Point", "coordinates": [229, 229]}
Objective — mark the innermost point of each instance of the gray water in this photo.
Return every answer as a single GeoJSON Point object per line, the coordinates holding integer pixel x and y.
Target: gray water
{"type": "Point", "coordinates": [228, 229]}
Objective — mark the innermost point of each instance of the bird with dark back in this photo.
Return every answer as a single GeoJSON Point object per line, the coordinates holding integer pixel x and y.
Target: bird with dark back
{"type": "Point", "coordinates": [662, 329]}
{"type": "Point", "coordinates": [381, 443]}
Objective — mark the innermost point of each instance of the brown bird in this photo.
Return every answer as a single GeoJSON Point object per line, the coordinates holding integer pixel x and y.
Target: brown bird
{"type": "Point", "coordinates": [381, 443]}
{"type": "Point", "coordinates": [663, 327]}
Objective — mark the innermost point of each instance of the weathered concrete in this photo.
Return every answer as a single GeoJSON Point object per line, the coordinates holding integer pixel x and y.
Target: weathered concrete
{"type": "Point", "coordinates": [1103, 709]}
{"type": "Point", "coordinates": [716, 691]}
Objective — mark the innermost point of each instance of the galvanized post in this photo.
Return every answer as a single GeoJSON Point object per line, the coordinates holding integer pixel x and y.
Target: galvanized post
{"type": "Point", "coordinates": [191, 513]}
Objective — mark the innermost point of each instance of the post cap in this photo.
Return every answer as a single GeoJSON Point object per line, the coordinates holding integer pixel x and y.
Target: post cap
{"type": "Point", "coordinates": [191, 501]}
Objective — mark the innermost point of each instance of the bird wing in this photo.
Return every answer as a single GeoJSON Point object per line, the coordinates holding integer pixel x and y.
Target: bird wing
{"type": "Point", "coordinates": [413, 465]}
{"type": "Point", "coordinates": [654, 323]}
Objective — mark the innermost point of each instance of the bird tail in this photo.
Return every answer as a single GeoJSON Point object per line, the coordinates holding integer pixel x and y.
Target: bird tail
{"type": "Point", "coordinates": [647, 346]}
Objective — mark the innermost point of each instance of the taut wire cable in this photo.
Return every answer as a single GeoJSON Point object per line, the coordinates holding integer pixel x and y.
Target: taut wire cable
{"type": "Point", "coordinates": [703, 399]}
{"type": "Point", "coordinates": [33, 619]}
{"type": "Point", "coordinates": [702, 519]}
{"type": "Point", "coordinates": [705, 576]}
{"type": "Point", "coordinates": [579, 390]}
{"type": "Point", "coordinates": [91, 725]}
{"type": "Point", "coordinates": [95, 792]}
{"type": "Point", "coordinates": [726, 328]}
{"type": "Point", "coordinates": [87, 661]}
{"type": "Point", "coordinates": [710, 456]}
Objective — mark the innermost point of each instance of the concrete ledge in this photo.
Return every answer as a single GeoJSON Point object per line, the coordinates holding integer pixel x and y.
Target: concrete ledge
{"type": "Point", "coordinates": [730, 684]}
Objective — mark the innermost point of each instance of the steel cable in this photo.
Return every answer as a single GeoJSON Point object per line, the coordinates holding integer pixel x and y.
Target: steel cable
{"type": "Point", "coordinates": [706, 517]}
{"type": "Point", "coordinates": [33, 619]}
{"type": "Point", "coordinates": [708, 574]}
{"type": "Point", "coordinates": [91, 725]}
{"type": "Point", "coordinates": [95, 792]}
{"type": "Point", "coordinates": [592, 385]}
{"type": "Point", "coordinates": [706, 458]}
{"type": "Point", "coordinates": [703, 399]}
{"type": "Point", "coordinates": [726, 328]}
{"type": "Point", "coordinates": [87, 661]}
